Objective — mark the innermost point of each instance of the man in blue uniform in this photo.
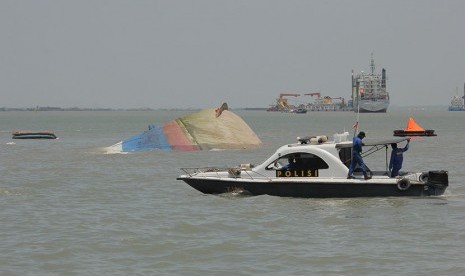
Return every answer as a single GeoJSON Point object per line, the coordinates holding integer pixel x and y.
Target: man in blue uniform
{"type": "Point", "coordinates": [397, 157]}
{"type": "Point", "coordinates": [357, 156]}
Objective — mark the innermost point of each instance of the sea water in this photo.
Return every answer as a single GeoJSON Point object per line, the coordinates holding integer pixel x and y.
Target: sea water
{"type": "Point", "coordinates": [68, 207]}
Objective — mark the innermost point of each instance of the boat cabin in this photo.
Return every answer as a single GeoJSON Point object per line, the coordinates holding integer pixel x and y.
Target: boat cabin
{"type": "Point", "coordinates": [325, 159]}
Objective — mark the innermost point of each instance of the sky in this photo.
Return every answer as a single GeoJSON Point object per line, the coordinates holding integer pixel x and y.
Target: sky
{"type": "Point", "coordinates": [198, 54]}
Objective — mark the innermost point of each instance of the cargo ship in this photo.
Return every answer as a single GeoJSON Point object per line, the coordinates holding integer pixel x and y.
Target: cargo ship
{"type": "Point", "coordinates": [369, 93]}
{"type": "Point", "coordinates": [457, 102]}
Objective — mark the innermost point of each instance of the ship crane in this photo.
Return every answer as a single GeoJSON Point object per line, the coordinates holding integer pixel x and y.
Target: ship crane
{"type": "Point", "coordinates": [282, 103]}
{"type": "Point", "coordinates": [288, 94]}
{"type": "Point", "coordinates": [318, 94]}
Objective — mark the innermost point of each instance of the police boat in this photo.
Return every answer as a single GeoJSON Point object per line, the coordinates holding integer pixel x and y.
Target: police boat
{"type": "Point", "coordinates": [316, 168]}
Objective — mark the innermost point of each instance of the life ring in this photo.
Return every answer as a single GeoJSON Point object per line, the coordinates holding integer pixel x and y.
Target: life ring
{"type": "Point", "coordinates": [424, 177]}
{"type": "Point", "coordinates": [403, 184]}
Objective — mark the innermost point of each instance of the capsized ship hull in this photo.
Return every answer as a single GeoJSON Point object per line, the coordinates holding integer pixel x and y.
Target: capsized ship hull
{"type": "Point", "coordinates": [204, 130]}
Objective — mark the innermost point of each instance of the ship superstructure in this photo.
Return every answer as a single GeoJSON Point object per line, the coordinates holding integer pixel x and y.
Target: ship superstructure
{"type": "Point", "coordinates": [457, 102]}
{"type": "Point", "coordinates": [369, 92]}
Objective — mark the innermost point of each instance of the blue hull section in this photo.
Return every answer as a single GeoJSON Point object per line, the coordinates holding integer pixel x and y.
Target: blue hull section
{"type": "Point", "coordinates": [151, 139]}
{"type": "Point", "coordinates": [457, 108]}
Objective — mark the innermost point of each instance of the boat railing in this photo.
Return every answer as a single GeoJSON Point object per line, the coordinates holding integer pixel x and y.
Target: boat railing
{"type": "Point", "coordinates": [193, 171]}
{"type": "Point", "coordinates": [221, 172]}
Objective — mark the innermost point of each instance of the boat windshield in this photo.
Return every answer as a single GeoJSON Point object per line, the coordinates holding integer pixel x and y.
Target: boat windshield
{"type": "Point", "coordinates": [301, 160]}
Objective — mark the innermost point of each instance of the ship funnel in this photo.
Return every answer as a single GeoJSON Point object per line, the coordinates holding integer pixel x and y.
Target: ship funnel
{"type": "Point", "coordinates": [383, 78]}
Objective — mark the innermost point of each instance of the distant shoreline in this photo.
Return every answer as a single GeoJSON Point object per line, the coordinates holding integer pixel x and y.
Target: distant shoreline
{"type": "Point", "coordinates": [89, 109]}
{"type": "Point", "coordinates": [47, 108]}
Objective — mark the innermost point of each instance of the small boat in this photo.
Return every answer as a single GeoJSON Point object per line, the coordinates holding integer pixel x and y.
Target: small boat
{"type": "Point", "coordinates": [300, 111]}
{"type": "Point", "coordinates": [27, 134]}
{"type": "Point", "coordinates": [316, 168]}
{"type": "Point", "coordinates": [413, 129]}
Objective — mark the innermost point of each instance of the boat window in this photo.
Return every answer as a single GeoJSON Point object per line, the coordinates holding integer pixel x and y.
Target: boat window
{"type": "Point", "coordinates": [345, 156]}
{"type": "Point", "coordinates": [298, 161]}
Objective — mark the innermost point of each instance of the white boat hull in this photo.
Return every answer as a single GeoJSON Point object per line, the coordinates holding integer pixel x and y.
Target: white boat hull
{"type": "Point", "coordinates": [378, 186]}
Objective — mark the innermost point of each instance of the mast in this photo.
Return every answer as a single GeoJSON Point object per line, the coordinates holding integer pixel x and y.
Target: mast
{"type": "Point", "coordinates": [354, 88]}
{"type": "Point", "coordinates": [372, 65]}
{"type": "Point", "coordinates": [463, 94]}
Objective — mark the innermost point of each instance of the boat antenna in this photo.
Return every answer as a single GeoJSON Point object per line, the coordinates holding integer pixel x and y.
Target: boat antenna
{"type": "Point", "coordinates": [355, 126]}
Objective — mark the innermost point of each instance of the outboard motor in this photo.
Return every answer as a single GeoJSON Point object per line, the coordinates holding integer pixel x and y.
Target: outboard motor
{"type": "Point", "coordinates": [437, 182]}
